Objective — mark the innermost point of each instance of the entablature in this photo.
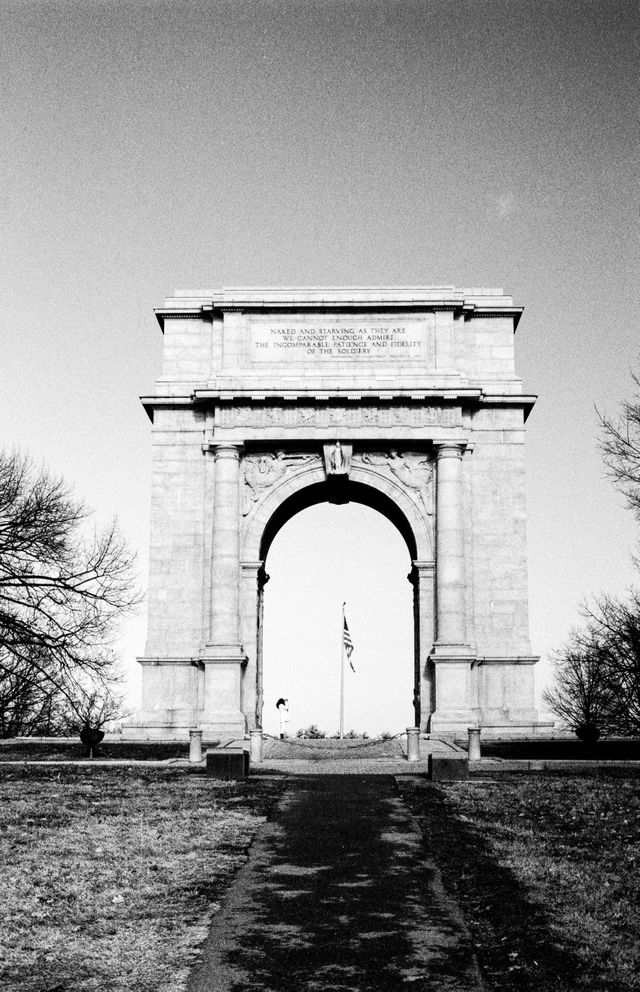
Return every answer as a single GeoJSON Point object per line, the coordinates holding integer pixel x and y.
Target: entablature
{"type": "Point", "coordinates": [420, 403]}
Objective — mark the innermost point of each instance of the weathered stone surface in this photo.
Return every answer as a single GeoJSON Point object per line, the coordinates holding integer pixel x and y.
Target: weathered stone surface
{"type": "Point", "coordinates": [419, 385]}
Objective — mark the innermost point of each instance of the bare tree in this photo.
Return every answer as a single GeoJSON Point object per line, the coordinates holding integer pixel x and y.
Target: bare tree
{"type": "Point", "coordinates": [620, 446]}
{"type": "Point", "coordinates": [62, 587]}
{"type": "Point", "coordinates": [584, 693]}
{"type": "Point", "coordinates": [616, 623]}
{"type": "Point", "coordinates": [32, 704]}
{"type": "Point", "coordinates": [29, 704]}
{"type": "Point", "coordinates": [597, 674]}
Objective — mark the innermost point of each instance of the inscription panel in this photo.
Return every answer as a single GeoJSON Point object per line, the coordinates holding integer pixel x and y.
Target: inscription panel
{"type": "Point", "coordinates": [348, 339]}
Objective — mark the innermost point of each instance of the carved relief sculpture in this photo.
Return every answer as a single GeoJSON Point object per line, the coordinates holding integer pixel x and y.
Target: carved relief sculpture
{"type": "Point", "coordinates": [413, 469]}
{"type": "Point", "coordinates": [337, 458]}
{"type": "Point", "coordinates": [263, 470]}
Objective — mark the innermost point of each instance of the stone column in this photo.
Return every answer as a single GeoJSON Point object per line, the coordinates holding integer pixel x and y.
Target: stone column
{"type": "Point", "coordinates": [252, 578]}
{"type": "Point", "coordinates": [224, 618]}
{"type": "Point", "coordinates": [422, 577]}
{"type": "Point", "coordinates": [450, 577]}
{"type": "Point", "coordinates": [263, 578]}
{"type": "Point", "coordinates": [451, 656]}
{"type": "Point", "coordinates": [223, 654]}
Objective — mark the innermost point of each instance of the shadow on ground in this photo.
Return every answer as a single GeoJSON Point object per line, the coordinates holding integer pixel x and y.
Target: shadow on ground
{"type": "Point", "coordinates": [338, 895]}
{"type": "Point", "coordinates": [513, 938]}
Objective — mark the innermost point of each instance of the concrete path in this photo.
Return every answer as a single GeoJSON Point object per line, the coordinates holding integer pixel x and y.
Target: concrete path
{"type": "Point", "coordinates": [338, 894]}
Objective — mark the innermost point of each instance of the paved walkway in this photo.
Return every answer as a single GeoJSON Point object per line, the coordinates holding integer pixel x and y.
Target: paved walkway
{"type": "Point", "coordinates": [338, 894]}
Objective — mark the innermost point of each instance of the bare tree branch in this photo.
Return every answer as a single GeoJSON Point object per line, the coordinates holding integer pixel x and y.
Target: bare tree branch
{"type": "Point", "coordinates": [597, 674]}
{"type": "Point", "coordinates": [620, 447]}
{"type": "Point", "coordinates": [61, 591]}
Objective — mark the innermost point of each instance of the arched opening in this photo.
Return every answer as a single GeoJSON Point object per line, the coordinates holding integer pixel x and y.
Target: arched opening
{"type": "Point", "coordinates": [318, 555]}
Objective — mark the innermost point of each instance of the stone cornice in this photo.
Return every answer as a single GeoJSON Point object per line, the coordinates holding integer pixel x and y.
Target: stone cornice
{"type": "Point", "coordinates": [528, 659]}
{"type": "Point", "coordinates": [348, 395]}
{"type": "Point", "coordinates": [466, 303]}
{"type": "Point", "coordinates": [467, 396]}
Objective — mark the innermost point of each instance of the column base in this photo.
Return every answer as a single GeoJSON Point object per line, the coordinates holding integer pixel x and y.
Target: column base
{"type": "Point", "coordinates": [452, 673]}
{"type": "Point", "coordinates": [221, 714]}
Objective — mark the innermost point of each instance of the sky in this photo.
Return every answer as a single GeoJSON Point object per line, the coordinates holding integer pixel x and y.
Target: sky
{"type": "Point", "coordinates": [150, 146]}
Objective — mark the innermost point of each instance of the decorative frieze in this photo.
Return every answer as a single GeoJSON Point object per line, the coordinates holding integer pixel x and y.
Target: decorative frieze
{"type": "Point", "coordinates": [327, 415]}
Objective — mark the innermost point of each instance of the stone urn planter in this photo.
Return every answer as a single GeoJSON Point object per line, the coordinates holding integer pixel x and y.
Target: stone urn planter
{"type": "Point", "coordinates": [588, 733]}
{"type": "Point", "coordinates": [91, 737]}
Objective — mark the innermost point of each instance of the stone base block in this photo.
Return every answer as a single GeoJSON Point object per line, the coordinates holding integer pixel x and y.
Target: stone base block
{"type": "Point", "coordinates": [451, 724]}
{"type": "Point", "coordinates": [174, 725]}
{"type": "Point", "coordinates": [227, 763]}
{"type": "Point", "coordinates": [448, 769]}
{"type": "Point", "coordinates": [519, 731]}
{"type": "Point", "coordinates": [166, 728]}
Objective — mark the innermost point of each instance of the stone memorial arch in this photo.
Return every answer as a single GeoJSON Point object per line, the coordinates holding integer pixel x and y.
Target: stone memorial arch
{"type": "Point", "coordinates": [270, 401]}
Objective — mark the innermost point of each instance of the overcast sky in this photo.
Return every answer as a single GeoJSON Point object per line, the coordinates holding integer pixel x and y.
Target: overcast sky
{"type": "Point", "coordinates": [161, 145]}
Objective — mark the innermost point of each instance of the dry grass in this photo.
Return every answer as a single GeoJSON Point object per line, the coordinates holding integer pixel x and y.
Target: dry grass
{"type": "Point", "coordinates": [309, 749]}
{"type": "Point", "coordinates": [111, 876]}
{"type": "Point", "coordinates": [66, 749]}
{"type": "Point", "coordinates": [546, 870]}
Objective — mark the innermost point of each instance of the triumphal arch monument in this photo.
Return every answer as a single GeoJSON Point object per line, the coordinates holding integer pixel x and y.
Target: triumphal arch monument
{"type": "Point", "coordinates": [272, 400]}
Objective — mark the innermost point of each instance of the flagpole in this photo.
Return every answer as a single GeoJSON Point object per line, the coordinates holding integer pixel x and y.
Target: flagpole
{"type": "Point", "coordinates": [342, 674]}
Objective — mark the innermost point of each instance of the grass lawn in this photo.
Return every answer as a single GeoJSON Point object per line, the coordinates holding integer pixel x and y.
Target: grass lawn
{"type": "Point", "coordinates": [72, 750]}
{"type": "Point", "coordinates": [546, 870]}
{"type": "Point", "coordinates": [111, 875]}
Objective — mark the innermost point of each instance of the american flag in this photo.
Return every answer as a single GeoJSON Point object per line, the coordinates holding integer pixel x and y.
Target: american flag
{"type": "Point", "coordinates": [348, 643]}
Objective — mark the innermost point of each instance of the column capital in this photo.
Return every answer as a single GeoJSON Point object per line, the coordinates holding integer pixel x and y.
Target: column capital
{"type": "Point", "coordinates": [449, 449]}
{"type": "Point", "coordinates": [226, 449]}
{"type": "Point", "coordinates": [419, 567]}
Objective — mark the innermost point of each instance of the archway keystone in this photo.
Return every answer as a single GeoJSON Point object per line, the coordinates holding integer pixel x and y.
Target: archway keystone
{"type": "Point", "coordinates": [406, 400]}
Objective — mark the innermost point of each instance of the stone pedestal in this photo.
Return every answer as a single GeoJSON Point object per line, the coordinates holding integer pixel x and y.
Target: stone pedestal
{"type": "Point", "coordinates": [413, 743]}
{"type": "Point", "coordinates": [255, 747]}
{"type": "Point", "coordinates": [474, 744]}
{"type": "Point", "coordinates": [195, 746]}
{"type": "Point", "coordinates": [227, 764]}
{"type": "Point", "coordinates": [448, 769]}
